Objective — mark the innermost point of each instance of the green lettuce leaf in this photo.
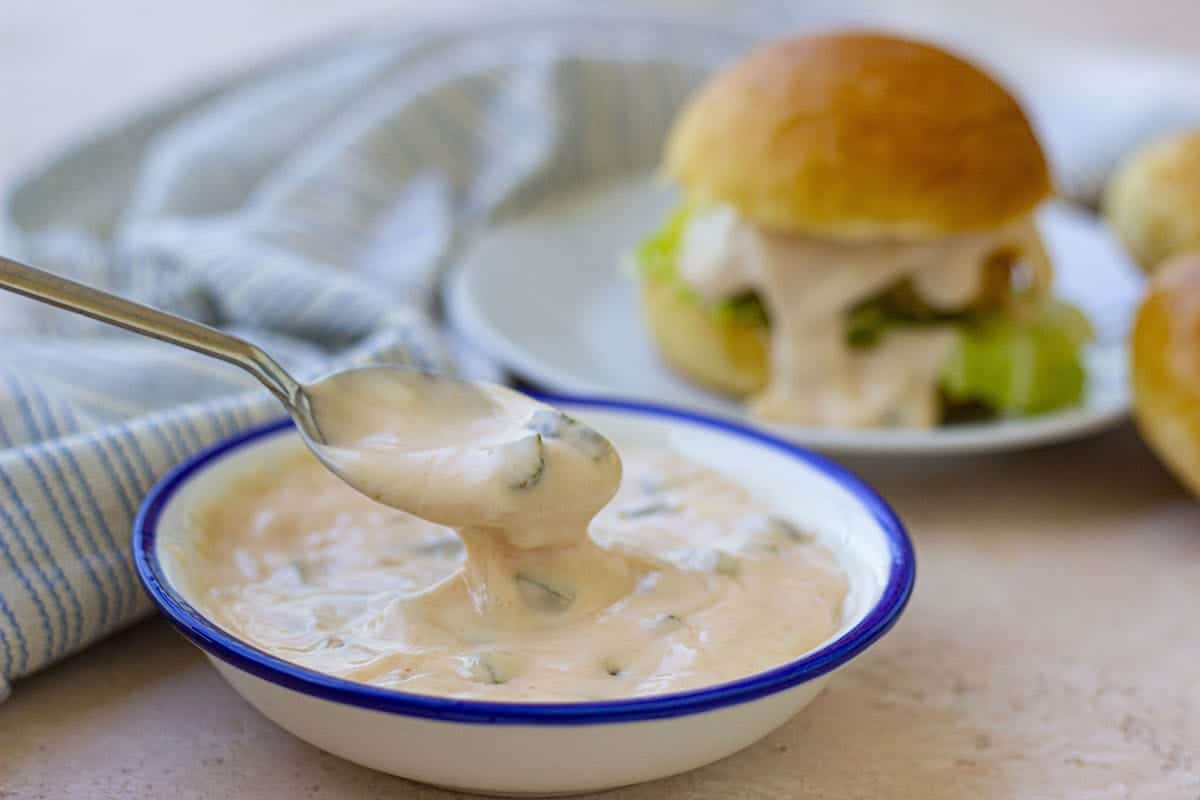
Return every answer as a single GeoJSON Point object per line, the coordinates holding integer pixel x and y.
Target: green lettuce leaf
{"type": "Point", "coordinates": [895, 307]}
{"type": "Point", "coordinates": [868, 323]}
{"type": "Point", "coordinates": [745, 309]}
{"type": "Point", "coordinates": [1021, 364]}
{"type": "Point", "coordinates": [657, 253]}
{"type": "Point", "coordinates": [657, 257]}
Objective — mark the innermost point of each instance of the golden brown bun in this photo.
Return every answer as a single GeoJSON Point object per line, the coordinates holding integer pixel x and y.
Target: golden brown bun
{"type": "Point", "coordinates": [1153, 201]}
{"type": "Point", "coordinates": [1166, 367]}
{"type": "Point", "coordinates": [859, 135]}
{"type": "Point", "coordinates": [724, 355]}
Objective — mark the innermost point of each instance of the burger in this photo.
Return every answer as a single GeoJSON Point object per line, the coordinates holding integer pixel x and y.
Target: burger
{"type": "Point", "coordinates": [855, 244]}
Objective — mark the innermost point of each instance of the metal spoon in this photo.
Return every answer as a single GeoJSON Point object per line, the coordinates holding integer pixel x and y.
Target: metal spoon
{"type": "Point", "coordinates": [322, 430]}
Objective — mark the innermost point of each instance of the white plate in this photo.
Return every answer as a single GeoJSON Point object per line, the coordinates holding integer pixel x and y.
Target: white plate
{"type": "Point", "coordinates": [546, 296]}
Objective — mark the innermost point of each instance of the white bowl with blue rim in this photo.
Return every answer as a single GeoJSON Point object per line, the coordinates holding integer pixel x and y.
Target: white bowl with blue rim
{"type": "Point", "coordinates": [552, 748]}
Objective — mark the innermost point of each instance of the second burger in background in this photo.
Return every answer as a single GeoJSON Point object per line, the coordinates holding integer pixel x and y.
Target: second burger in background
{"type": "Point", "coordinates": [855, 245]}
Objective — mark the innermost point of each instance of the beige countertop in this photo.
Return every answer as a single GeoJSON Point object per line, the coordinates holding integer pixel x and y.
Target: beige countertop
{"type": "Point", "coordinates": [1051, 648]}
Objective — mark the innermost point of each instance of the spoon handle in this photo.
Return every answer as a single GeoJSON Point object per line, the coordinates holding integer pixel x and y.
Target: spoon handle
{"type": "Point", "coordinates": [46, 287]}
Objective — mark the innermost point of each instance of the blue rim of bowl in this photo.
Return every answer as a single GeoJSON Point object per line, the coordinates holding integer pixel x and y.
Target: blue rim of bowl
{"type": "Point", "coordinates": [209, 637]}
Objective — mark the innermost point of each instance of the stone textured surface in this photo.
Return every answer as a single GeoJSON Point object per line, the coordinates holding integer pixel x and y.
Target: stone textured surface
{"type": "Point", "coordinates": [1051, 649]}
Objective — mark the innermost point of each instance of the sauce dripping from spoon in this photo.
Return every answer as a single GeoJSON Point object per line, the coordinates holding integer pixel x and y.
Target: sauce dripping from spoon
{"type": "Point", "coordinates": [517, 479]}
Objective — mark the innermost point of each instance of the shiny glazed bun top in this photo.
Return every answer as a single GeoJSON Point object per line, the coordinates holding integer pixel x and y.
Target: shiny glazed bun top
{"type": "Point", "coordinates": [1165, 351]}
{"type": "Point", "coordinates": [859, 136]}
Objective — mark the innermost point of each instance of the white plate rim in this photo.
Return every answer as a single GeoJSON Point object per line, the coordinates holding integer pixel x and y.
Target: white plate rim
{"type": "Point", "coordinates": [471, 322]}
{"type": "Point", "coordinates": [1047, 429]}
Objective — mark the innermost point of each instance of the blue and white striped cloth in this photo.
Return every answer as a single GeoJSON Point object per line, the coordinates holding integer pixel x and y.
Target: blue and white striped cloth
{"type": "Point", "coordinates": [309, 208]}
{"type": "Point", "coordinates": [309, 205]}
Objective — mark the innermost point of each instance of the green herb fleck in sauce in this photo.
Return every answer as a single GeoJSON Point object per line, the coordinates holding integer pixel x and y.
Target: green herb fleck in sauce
{"type": "Point", "coordinates": [662, 623]}
{"type": "Point", "coordinates": [611, 666]}
{"type": "Point", "coordinates": [525, 463]}
{"type": "Point", "coordinates": [543, 596]}
{"type": "Point", "coordinates": [554, 424]}
{"type": "Point", "coordinates": [648, 509]}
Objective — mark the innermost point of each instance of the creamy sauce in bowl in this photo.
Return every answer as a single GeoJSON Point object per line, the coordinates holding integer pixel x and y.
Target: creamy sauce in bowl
{"type": "Point", "coordinates": [683, 580]}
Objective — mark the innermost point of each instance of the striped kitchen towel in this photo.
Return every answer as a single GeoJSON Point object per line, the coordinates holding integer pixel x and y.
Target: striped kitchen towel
{"type": "Point", "coordinates": [309, 205]}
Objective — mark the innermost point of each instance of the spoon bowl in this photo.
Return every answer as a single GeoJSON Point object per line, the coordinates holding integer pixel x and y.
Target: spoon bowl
{"type": "Point", "coordinates": [456, 453]}
{"type": "Point", "coordinates": [342, 408]}
{"type": "Point", "coordinates": [358, 422]}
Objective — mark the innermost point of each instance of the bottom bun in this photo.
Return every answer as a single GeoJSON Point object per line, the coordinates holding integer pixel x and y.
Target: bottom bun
{"type": "Point", "coordinates": [1165, 356]}
{"type": "Point", "coordinates": [726, 355]}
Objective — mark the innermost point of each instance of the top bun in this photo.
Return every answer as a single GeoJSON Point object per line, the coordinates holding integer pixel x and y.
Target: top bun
{"type": "Point", "coordinates": [1153, 201]}
{"type": "Point", "coordinates": [859, 136]}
